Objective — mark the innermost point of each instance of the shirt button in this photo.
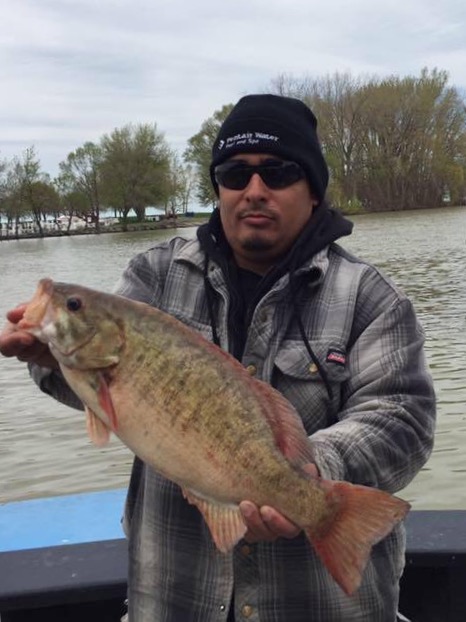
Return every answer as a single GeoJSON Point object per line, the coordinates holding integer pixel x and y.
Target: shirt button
{"type": "Point", "coordinates": [251, 369]}
{"type": "Point", "coordinates": [313, 368]}
{"type": "Point", "coordinates": [247, 611]}
{"type": "Point", "coordinates": [222, 607]}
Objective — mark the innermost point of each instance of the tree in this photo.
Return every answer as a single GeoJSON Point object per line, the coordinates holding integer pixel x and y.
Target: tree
{"type": "Point", "coordinates": [199, 153]}
{"type": "Point", "coordinates": [415, 129]}
{"type": "Point", "coordinates": [180, 186]}
{"type": "Point", "coordinates": [186, 185]}
{"type": "Point", "coordinates": [135, 169]}
{"type": "Point", "coordinates": [43, 201]}
{"type": "Point", "coordinates": [80, 174]}
{"type": "Point", "coordinates": [3, 191]}
{"type": "Point", "coordinates": [10, 194]}
{"type": "Point", "coordinates": [72, 202]}
{"type": "Point", "coordinates": [339, 103]}
{"type": "Point", "coordinates": [392, 143]}
{"type": "Point", "coordinates": [28, 191]}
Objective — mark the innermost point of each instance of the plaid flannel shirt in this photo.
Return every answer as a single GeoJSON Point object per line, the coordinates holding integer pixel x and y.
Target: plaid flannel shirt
{"type": "Point", "coordinates": [377, 430]}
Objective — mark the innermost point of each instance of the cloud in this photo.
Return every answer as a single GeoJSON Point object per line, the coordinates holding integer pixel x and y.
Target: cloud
{"type": "Point", "coordinates": [72, 70]}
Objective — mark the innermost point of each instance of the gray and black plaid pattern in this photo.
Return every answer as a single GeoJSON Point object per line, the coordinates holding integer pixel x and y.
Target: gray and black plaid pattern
{"type": "Point", "coordinates": [377, 430]}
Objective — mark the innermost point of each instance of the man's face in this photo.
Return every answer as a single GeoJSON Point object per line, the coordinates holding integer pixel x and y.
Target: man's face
{"type": "Point", "coordinates": [261, 224]}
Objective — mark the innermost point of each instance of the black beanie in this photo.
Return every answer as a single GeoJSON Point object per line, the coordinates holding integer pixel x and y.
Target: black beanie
{"type": "Point", "coordinates": [282, 126]}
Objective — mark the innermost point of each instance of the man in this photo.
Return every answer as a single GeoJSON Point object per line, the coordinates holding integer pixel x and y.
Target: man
{"type": "Point", "coordinates": [265, 280]}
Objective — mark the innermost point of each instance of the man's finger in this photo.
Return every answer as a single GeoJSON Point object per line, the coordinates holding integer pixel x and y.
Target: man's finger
{"type": "Point", "coordinates": [14, 342]}
{"type": "Point", "coordinates": [257, 529]}
{"type": "Point", "coordinates": [312, 469]}
{"type": "Point", "coordinates": [278, 524]}
{"type": "Point", "coordinates": [14, 315]}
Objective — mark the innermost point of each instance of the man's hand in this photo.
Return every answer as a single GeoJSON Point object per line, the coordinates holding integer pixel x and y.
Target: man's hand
{"type": "Point", "coordinates": [265, 523]}
{"type": "Point", "coordinates": [23, 345]}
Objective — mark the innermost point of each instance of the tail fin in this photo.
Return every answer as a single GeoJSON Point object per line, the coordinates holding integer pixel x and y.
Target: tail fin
{"type": "Point", "coordinates": [364, 516]}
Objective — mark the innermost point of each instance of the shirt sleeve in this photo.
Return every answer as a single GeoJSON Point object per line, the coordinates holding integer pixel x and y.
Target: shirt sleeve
{"type": "Point", "coordinates": [52, 383]}
{"type": "Point", "coordinates": [141, 279]}
{"type": "Point", "coordinates": [386, 424]}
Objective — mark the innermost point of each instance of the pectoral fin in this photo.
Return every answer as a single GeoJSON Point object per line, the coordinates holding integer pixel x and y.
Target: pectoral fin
{"type": "Point", "coordinates": [93, 390]}
{"type": "Point", "coordinates": [98, 432]}
{"type": "Point", "coordinates": [224, 521]}
{"type": "Point", "coordinates": [105, 401]}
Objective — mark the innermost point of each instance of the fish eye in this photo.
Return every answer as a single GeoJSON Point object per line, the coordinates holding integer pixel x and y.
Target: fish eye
{"type": "Point", "coordinates": [74, 304]}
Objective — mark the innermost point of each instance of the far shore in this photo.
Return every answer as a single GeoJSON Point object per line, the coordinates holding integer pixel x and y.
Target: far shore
{"type": "Point", "coordinates": [179, 222]}
{"type": "Point", "coordinates": [166, 223]}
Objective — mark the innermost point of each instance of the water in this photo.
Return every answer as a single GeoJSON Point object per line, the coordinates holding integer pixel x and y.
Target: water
{"type": "Point", "coordinates": [44, 449]}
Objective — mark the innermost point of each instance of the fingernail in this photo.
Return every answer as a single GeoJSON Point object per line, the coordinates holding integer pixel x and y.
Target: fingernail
{"type": "Point", "coordinates": [247, 510]}
{"type": "Point", "coordinates": [266, 514]}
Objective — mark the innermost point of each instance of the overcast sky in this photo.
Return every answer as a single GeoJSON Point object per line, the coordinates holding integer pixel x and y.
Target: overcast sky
{"type": "Point", "coordinates": [73, 70]}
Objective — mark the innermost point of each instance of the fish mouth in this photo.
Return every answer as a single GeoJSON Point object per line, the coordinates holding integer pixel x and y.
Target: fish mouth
{"type": "Point", "coordinates": [36, 309]}
{"type": "Point", "coordinates": [40, 319]}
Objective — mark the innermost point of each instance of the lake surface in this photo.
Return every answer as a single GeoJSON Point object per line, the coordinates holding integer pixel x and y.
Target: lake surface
{"type": "Point", "coordinates": [44, 449]}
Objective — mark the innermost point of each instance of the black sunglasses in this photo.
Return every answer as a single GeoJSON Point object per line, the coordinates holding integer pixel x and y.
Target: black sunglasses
{"type": "Point", "coordinates": [276, 174]}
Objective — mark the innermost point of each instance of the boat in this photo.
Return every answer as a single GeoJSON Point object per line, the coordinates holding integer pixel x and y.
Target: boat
{"type": "Point", "coordinates": [65, 558]}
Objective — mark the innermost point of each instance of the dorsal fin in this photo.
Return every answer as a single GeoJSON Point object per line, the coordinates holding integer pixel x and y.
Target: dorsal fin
{"type": "Point", "coordinates": [287, 427]}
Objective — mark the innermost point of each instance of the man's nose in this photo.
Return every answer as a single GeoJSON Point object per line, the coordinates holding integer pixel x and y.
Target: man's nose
{"type": "Point", "coordinates": [256, 189]}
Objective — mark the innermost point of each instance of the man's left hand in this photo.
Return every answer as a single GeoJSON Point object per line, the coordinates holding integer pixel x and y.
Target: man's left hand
{"type": "Point", "coordinates": [266, 523]}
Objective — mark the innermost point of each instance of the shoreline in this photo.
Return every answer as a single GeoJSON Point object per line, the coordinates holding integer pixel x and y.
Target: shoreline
{"type": "Point", "coordinates": [161, 225]}
{"type": "Point", "coordinates": [167, 223]}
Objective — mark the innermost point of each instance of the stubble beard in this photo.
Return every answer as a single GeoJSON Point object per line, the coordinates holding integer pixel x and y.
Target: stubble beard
{"type": "Point", "coordinates": [256, 244]}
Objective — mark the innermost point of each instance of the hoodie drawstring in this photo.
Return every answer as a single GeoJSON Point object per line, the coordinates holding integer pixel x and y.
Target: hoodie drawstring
{"type": "Point", "coordinates": [209, 294]}
{"type": "Point", "coordinates": [296, 314]}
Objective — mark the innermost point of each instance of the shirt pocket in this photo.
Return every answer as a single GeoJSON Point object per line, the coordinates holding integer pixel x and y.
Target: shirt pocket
{"type": "Point", "coordinates": [297, 376]}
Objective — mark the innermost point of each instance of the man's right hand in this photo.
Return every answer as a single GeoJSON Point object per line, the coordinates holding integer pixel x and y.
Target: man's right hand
{"type": "Point", "coordinates": [23, 345]}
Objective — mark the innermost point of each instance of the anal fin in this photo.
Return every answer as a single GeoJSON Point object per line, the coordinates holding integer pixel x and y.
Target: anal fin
{"type": "Point", "coordinates": [224, 521]}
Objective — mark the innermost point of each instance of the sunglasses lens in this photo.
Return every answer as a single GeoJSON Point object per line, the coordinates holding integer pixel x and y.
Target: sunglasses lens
{"type": "Point", "coordinates": [282, 176]}
{"type": "Point", "coordinates": [236, 178]}
{"type": "Point", "coordinates": [276, 175]}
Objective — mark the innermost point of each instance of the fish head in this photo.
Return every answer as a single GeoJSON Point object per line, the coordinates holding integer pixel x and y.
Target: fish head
{"type": "Point", "coordinates": [78, 324]}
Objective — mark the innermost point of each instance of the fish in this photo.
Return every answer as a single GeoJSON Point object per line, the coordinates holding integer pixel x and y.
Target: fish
{"type": "Point", "coordinates": [194, 414]}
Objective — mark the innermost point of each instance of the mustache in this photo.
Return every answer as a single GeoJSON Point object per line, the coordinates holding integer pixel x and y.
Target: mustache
{"type": "Point", "coordinates": [256, 208]}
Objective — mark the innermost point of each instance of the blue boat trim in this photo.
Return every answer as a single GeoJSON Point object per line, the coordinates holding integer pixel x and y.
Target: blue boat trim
{"type": "Point", "coordinates": [68, 519]}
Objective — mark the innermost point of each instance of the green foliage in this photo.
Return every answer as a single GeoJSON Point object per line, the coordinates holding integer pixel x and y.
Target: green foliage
{"type": "Point", "coordinates": [135, 169]}
{"type": "Point", "coordinates": [392, 143]}
{"type": "Point", "coordinates": [80, 182]}
{"type": "Point", "coordinates": [26, 191]}
{"type": "Point", "coordinates": [181, 183]}
{"type": "Point", "coordinates": [199, 153]}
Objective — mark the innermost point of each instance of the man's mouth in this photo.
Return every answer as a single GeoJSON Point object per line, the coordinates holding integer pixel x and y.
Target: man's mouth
{"type": "Point", "coordinates": [258, 217]}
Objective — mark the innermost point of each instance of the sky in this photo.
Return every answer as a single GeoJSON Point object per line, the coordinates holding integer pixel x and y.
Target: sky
{"type": "Point", "coordinates": [74, 70]}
